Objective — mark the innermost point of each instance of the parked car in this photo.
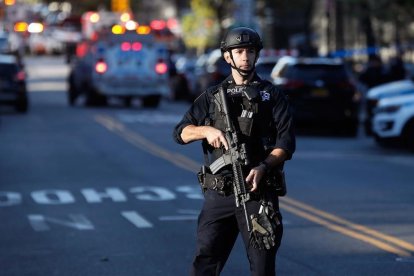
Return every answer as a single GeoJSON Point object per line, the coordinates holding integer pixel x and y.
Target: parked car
{"type": "Point", "coordinates": [4, 43]}
{"type": "Point", "coordinates": [200, 69]}
{"type": "Point", "coordinates": [394, 120]}
{"type": "Point", "coordinates": [376, 93]}
{"type": "Point", "coordinates": [320, 91]}
{"type": "Point", "coordinates": [268, 59]}
{"type": "Point", "coordinates": [213, 71]}
{"type": "Point", "coordinates": [264, 67]}
{"type": "Point", "coordinates": [13, 83]}
{"type": "Point", "coordinates": [182, 82]}
{"type": "Point", "coordinates": [122, 66]}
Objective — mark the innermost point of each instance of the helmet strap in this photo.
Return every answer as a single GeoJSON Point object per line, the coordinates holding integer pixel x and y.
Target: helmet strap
{"type": "Point", "coordinates": [245, 74]}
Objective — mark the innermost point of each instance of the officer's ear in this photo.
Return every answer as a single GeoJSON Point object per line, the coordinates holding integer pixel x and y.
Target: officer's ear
{"type": "Point", "coordinates": [227, 57]}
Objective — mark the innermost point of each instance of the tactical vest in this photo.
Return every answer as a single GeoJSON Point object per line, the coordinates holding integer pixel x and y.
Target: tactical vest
{"type": "Point", "coordinates": [252, 117]}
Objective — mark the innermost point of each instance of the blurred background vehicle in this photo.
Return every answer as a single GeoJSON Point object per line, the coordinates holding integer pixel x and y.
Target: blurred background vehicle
{"type": "Point", "coordinates": [264, 67]}
{"type": "Point", "coordinates": [211, 70]}
{"type": "Point", "coordinates": [321, 92]}
{"type": "Point", "coordinates": [124, 65]}
{"type": "Point", "coordinates": [183, 84]}
{"type": "Point", "coordinates": [373, 95]}
{"type": "Point", "coordinates": [13, 83]}
{"type": "Point", "coordinates": [69, 33]}
{"type": "Point", "coordinates": [200, 68]}
{"type": "Point", "coordinates": [45, 43]}
{"type": "Point", "coordinates": [4, 43]}
{"type": "Point", "coordinates": [178, 75]}
{"type": "Point", "coordinates": [393, 120]}
{"type": "Point", "coordinates": [268, 59]}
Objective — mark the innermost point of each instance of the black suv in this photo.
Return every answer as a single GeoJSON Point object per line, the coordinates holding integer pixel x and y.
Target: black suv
{"type": "Point", "coordinates": [321, 92]}
{"type": "Point", "coordinates": [13, 83]}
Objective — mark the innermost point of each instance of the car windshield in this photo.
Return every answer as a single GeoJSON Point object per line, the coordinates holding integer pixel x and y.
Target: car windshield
{"type": "Point", "coordinates": [7, 70]}
{"type": "Point", "coordinates": [311, 72]}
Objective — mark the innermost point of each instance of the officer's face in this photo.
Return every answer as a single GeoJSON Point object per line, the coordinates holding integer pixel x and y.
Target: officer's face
{"type": "Point", "coordinates": [244, 58]}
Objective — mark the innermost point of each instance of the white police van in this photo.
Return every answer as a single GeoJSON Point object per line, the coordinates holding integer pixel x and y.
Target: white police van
{"type": "Point", "coordinates": [123, 66]}
{"type": "Point", "coordinates": [394, 120]}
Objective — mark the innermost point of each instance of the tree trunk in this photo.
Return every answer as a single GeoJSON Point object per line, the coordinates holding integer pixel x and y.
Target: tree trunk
{"type": "Point", "coordinates": [339, 26]}
{"type": "Point", "coordinates": [367, 25]}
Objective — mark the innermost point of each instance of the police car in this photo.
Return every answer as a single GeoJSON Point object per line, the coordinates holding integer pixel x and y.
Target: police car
{"type": "Point", "coordinates": [391, 89]}
{"type": "Point", "coordinates": [123, 65]}
{"type": "Point", "coordinates": [394, 120]}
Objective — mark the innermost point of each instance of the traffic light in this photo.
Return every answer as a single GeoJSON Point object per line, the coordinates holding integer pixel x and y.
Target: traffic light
{"type": "Point", "coordinates": [120, 5]}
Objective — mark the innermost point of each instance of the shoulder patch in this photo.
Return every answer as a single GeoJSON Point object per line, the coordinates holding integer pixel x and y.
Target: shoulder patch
{"type": "Point", "coordinates": [265, 95]}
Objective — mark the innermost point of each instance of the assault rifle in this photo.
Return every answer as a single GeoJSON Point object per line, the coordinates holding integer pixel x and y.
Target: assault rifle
{"type": "Point", "coordinates": [236, 155]}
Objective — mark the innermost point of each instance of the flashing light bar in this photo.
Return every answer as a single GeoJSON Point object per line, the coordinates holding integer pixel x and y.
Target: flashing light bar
{"type": "Point", "coordinates": [158, 24]}
{"type": "Point", "coordinates": [35, 28]}
{"type": "Point", "coordinates": [20, 26]}
{"type": "Point", "coordinates": [131, 25]}
{"type": "Point", "coordinates": [94, 17]}
{"type": "Point", "coordinates": [118, 29]}
{"type": "Point", "coordinates": [143, 29]}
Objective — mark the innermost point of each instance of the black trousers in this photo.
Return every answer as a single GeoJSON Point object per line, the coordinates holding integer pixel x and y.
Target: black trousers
{"type": "Point", "coordinates": [219, 224]}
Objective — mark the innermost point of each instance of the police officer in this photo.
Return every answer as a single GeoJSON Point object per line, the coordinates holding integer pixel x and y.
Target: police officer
{"type": "Point", "coordinates": [262, 117]}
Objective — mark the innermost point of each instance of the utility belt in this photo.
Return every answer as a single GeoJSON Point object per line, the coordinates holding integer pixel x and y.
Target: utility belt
{"type": "Point", "coordinates": [223, 184]}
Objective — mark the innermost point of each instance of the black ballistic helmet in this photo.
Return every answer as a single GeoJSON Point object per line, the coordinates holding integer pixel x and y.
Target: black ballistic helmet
{"type": "Point", "coordinates": [241, 37]}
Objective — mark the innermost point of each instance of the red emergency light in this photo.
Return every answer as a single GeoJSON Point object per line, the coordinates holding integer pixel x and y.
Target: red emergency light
{"type": "Point", "coordinates": [127, 46]}
{"type": "Point", "coordinates": [158, 25]}
{"type": "Point", "coordinates": [136, 46]}
{"type": "Point", "coordinates": [161, 67]}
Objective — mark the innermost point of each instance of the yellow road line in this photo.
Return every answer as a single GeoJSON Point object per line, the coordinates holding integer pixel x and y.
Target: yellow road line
{"type": "Point", "coordinates": [348, 232]}
{"type": "Point", "coordinates": [385, 242]}
{"type": "Point", "coordinates": [349, 224]}
{"type": "Point", "coordinates": [144, 144]}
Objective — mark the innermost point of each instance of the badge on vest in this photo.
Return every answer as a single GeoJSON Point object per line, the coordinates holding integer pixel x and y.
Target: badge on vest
{"type": "Point", "coordinates": [265, 96]}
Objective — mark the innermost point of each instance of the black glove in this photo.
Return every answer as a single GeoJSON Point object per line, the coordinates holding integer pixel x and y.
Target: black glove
{"type": "Point", "coordinates": [264, 226]}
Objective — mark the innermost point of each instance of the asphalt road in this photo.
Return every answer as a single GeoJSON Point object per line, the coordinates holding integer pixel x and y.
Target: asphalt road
{"type": "Point", "coordinates": [106, 191]}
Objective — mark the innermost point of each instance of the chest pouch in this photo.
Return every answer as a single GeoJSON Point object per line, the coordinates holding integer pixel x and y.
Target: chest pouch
{"type": "Point", "coordinates": [246, 116]}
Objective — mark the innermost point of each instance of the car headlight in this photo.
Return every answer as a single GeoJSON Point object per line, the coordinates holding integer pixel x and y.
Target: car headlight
{"type": "Point", "coordinates": [388, 109]}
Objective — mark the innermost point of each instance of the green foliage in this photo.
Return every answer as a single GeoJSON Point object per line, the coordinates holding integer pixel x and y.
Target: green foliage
{"type": "Point", "coordinates": [200, 27]}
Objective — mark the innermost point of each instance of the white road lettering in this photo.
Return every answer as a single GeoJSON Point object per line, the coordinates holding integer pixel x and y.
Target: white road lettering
{"type": "Point", "coordinates": [191, 191]}
{"type": "Point", "coordinates": [153, 193]}
{"type": "Point", "coordinates": [93, 196]}
{"type": "Point", "coordinates": [41, 223]}
{"type": "Point", "coordinates": [136, 219]}
{"type": "Point", "coordinates": [10, 199]}
{"type": "Point", "coordinates": [56, 197]}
